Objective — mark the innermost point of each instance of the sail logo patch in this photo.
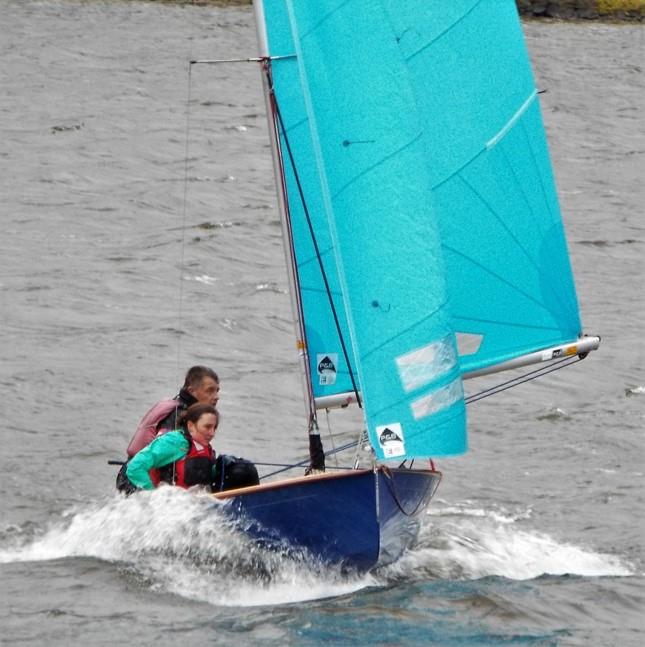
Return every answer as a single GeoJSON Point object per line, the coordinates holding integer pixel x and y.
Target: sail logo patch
{"type": "Point", "coordinates": [326, 368]}
{"type": "Point", "coordinates": [390, 439]}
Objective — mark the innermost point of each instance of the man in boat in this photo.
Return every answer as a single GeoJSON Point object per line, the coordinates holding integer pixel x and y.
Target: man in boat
{"type": "Point", "coordinates": [201, 385]}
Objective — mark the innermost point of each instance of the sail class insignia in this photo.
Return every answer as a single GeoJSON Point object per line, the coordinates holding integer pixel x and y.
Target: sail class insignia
{"type": "Point", "coordinates": [326, 366]}
{"type": "Point", "coordinates": [390, 438]}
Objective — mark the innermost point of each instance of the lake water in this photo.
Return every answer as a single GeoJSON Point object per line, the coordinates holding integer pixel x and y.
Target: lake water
{"type": "Point", "coordinates": [139, 238]}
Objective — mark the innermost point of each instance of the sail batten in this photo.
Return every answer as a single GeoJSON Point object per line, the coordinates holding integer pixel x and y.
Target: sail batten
{"type": "Point", "coordinates": [493, 141]}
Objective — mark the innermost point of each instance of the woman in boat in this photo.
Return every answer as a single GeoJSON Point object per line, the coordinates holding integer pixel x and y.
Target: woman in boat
{"type": "Point", "coordinates": [183, 457]}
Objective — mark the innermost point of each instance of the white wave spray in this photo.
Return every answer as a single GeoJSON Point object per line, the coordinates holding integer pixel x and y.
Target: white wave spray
{"type": "Point", "coordinates": [464, 542]}
{"type": "Point", "coordinates": [181, 543]}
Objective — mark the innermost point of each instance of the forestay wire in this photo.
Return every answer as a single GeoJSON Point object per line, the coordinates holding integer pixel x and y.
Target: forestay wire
{"type": "Point", "coordinates": [183, 218]}
{"type": "Point", "coordinates": [184, 209]}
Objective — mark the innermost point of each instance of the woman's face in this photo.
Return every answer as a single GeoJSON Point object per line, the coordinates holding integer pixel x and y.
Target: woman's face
{"type": "Point", "coordinates": [203, 431]}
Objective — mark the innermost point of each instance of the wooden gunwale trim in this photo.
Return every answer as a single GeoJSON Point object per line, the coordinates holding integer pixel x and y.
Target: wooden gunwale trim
{"type": "Point", "coordinates": [298, 480]}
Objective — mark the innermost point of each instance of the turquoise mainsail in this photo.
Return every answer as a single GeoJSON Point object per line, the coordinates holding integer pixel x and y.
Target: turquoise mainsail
{"type": "Point", "coordinates": [421, 206]}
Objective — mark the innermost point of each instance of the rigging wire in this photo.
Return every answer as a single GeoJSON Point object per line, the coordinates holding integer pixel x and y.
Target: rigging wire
{"type": "Point", "coordinates": [397, 499]}
{"type": "Point", "coordinates": [522, 379]}
{"type": "Point", "coordinates": [331, 435]}
{"type": "Point", "coordinates": [504, 386]}
{"type": "Point", "coordinates": [184, 208]}
{"type": "Point", "coordinates": [360, 442]}
{"type": "Point", "coordinates": [286, 465]}
{"type": "Point", "coordinates": [304, 462]}
{"type": "Point", "coordinates": [183, 218]}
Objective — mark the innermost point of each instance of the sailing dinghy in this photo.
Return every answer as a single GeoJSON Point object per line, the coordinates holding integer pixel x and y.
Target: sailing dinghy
{"type": "Point", "coordinates": [424, 244]}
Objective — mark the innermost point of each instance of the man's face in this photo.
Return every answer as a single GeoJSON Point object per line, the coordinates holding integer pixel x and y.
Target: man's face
{"type": "Point", "coordinates": [206, 392]}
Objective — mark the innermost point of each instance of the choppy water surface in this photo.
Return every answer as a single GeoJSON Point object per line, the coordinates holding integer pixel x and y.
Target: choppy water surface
{"type": "Point", "coordinates": [536, 536]}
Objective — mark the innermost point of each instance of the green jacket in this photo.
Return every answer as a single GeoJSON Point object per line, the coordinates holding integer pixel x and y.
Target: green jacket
{"type": "Point", "coordinates": [163, 450]}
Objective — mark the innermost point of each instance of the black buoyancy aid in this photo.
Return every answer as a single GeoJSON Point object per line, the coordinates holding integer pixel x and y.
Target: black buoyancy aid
{"type": "Point", "coordinates": [195, 468]}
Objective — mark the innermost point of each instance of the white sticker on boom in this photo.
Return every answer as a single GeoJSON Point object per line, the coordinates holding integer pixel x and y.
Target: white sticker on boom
{"type": "Point", "coordinates": [390, 438]}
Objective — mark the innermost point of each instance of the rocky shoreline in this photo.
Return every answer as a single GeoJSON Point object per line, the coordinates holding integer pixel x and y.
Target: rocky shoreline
{"type": "Point", "coordinates": [626, 10]}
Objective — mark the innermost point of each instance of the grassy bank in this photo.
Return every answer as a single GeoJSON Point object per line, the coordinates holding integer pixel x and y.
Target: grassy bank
{"type": "Point", "coordinates": [584, 9]}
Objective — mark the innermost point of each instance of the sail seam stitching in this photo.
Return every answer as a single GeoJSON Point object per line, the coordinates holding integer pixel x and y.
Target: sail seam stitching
{"type": "Point", "coordinates": [404, 332]}
{"type": "Point", "coordinates": [495, 274]}
{"type": "Point", "coordinates": [323, 19]}
{"type": "Point", "coordinates": [444, 32]}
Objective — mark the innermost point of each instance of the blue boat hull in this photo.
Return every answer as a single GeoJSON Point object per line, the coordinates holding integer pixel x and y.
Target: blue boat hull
{"type": "Point", "coordinates": [357, 519]}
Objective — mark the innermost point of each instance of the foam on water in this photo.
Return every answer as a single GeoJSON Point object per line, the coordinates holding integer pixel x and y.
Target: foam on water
{"type": "Point", "coordinates": [465, 542]}
{"type": "Point", "coordinates": [182, 544]}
